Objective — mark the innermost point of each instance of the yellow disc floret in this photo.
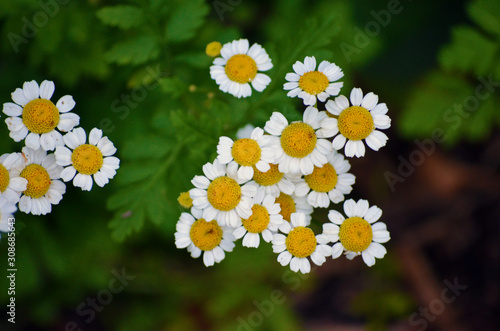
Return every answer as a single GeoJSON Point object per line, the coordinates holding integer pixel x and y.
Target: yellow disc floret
{"type": "Point", "coordinates": [258, 221]}
{"type": "Point", "coordinates": [246, 152]}
{"type": "Point", "coordinates": [313, 82]}
{"type": "Point", "coordinates": [301, 242]}
{"type": "Point", "coordinates": [241, 68]}
{"type": "Point", "coordinates": [322, 179]}
{"type": "Point", "coordinates": [355, 234]}
{"type": "Point", "coordinates": [287, 205]}
{"type": "Point", "coordinates": [185, 200]}
{"type": "Point", "coordinates": [213, 49]}
{"type": "Point", "coordinates": [298, 139]}
{"type": "Point", "coordinates": [205, 235]}
{"type": "Point", "coordinates": [355, 123]}
{"type": "Point", "coordinates": [268, 178]}
{"type": "Point", "coordinates": [38, 180]}
{"type": "Point", "coordinates": [40, 116]}
{"type": "Point", "coordinates": [4, 178]}
{"type": "Point", "coordinates": [224, 193]}
{"type": "Point", "coordinates": [87, 159]}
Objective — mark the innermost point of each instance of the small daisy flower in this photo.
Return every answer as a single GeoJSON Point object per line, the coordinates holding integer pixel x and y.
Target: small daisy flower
{"type": "Point", "coordinates": [299, 244]}
{"type": "Point", "coordinates": [299, 148]}
{"type": "Point", "coordinates": [87, 161]}
{"type": "Point", "coordinates": [265, 221]}
{"type": "Point", "coordinates": [290, 204]}
{"type": "Point", "coordinates": [358, 234]}
{"type": "Point", "coordinates": [357, 122]}
{"type": "Point", "coordinates": [327, 183]}
{"type": "Point", "coordinates": [213, 49]}
{"type": "Point", "coordinates": [239, 66]}
{"type": "Point", "coordinates": [35, 117]}
{"type": "Point", "coordinates": [201, 236]}
{"type": "Point", "coordinates": [44, 188]}
{"type": "Point", "coordinates": [271, 182]}
{"type": "Point", "coordinates": [185, 200]}
{"type": "Point", "coordinates": [308, 83]}
{"type": "Point", "coordinates": [7, 210]}
{"type": "Point", "coordinates": [220, 196]}
{"type": "Point", "coordinates": [247, 153]}
{"type": "Point", "coordinates": [11, 187]}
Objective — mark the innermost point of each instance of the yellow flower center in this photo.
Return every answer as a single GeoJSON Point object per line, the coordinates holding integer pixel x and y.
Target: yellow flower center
{"type": "Point", "coordinates": [224, 193]}
{"type": "Point", "coordinates": [355, 123]}
{"type": "Point", "coordinates": [4, 178]}
{"type": "Point", "coordinates": [205, 235]}
{"type": "Point", "coordinates": [268, 178]}
{"type": "Point", "coordinates": [322, 179]}
{"type": "Point", "coordinates": [287, 205]}
{"type": "Point", "coordinates": [241, 68]}
{"type": "Point", "coordinates": [355, 234]}
{"type": "Point", "coordinates": [87, 159]}
{"type": "Point", "coordinates": [258, 221]}
{"type": "Point", "coordinates": [313, 82]}
{"type": "Point", "coordinates": [38, 180]}
{"type": "Point", "coordinates": [185, 200]}
{"type": "Point", "coordinates": [301, 242]}
{"type": "Point", "coordinates": [40, 116]}
{"type": "Point", "coordinates": [246, 152]}
{"type": "Point", "coordinates": [213, 49]}
{"type": "Point", "coordinates": [298, 139]}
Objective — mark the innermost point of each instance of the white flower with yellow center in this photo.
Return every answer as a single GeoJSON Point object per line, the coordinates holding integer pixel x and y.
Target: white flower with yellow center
{"type": "Point", "coordinates": [271, 182]}
{"type": "Point", "coordinates": [358, 234]}
{"type": "Point", "coordinates": [220, 196]}
{"type": "Point", "coordinates": [11, 187]}
{"type": "Point", "coordinates": [357, 122]}
{"type": "Point", "coordinates": [299, 148]}
{"type": "Point", "coordinates": [44, 188]}
{"type": "Point", "coordinates": [7, 210]}
{"type": "Point", "coordinates": [299, 244]}
{"type": "Point", "coordinates": [265, 220]}
{"type": "Point", "coordinates": [327, 183]}
{"type": "Point", "coordinates": [247, 153]}
{"type": "Point", "coordinates": [35, 117]}
{"type": "Point", "coordinates": [82, 160]}
{"type": "Point", "coordinates": [290, 204]}
{"type": "Point", "coordinates": [239, 66]}
{"type": "Point", "coordinates": [201, 236]}
{"type": "Point", "coordinates": [308, 83]}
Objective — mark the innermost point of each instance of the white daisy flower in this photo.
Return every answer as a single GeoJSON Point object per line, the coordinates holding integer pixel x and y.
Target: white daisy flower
{"type": "Point", "coordinates": [199, 235]}
{"type": "Point", "coordinates": [300, 148]}
{"type": "Point", "coordinates": [271, 182]}
{"type": "Point", "coordinates": [358, 234]}
{"type": "Point", "coordinates": [7, 210]}
{"type": "Point", "coordinates": [245, 132]}
{"type": "Point", "coordinates": [299, 244]}
{"type": "Point", "coordinates": [308, 83]}
{"type": "Point", "coordinates": [44, 188]}
{"type": "Point", "coordinates": [87, 160]}
{"type": "Point", "coordinates": [239, 66]}
{"type": "Point", "coordinates": [290, 204]}
{"type": "Point", "coordinates": [327, 183]}
{"type": "Point", "coordinates": [357, 122]}
{"type": "Point", "coordinates": [220, 196]}
{"type": "Point", "coordinates": [265, 220]}
{"type": "Point", "coordinates": [35, 117]}
{"type": "Point", "coordinates": [247, 153]}
{"type": "Point", "coordinates": [11, 187]}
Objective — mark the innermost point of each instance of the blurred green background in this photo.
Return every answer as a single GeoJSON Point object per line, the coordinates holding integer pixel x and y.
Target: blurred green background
{"type": "Point", "coordinates": [137, 70]}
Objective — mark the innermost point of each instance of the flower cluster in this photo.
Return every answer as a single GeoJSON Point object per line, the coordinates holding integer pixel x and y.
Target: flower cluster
{"type": "Point", "coordinates": [34, 178]}
{"type": "Point", "coordinates": [266, 183]}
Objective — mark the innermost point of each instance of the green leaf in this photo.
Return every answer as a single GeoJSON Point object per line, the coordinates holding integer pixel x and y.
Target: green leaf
{"type": "Point", "coordinates": [486, 14]}
{"type": "Point", "coordinates": [186, 19]}
{"type": "Point", "coordinates": [469, 51]}
{"type": "Point", "coordinates": [123, 225]}
{"type": "Point", "coordinates": [131, 173]}
{"type": "Point", "coordinates": [122, 198]}
{"type": "Point", "coordinates": [122, 16]}
{"type": "Point", "coordinates": [147, 147]}
{"type": "Point", "coordinates": [135, 51]}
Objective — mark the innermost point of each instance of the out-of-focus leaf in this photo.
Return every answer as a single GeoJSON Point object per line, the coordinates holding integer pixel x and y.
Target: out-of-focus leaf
{"type": "Point", "coordinates": [122, 16]}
